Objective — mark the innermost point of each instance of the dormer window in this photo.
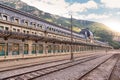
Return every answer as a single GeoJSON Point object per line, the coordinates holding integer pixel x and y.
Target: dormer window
{"type": "Point", "coordinates": [38, 25]}
{"type": "Point", "coordinates": [30, 23]}
{"type": "Point", "coordinates": [26, 23]}
{"type": "Point", "coordinates": [50, 29]}
{"type": "Point", "coordinates": [41, 26]}
{"type": "Point", "coordinates": [16, 20]}
{"type": "Point", "coordinates": [5, 17]}
{"type": "Point", "coordinates": [34, 25]}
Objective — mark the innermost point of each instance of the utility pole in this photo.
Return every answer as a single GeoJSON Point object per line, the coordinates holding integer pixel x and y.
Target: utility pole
{"type": "Point", "coordinates": [71, 40]}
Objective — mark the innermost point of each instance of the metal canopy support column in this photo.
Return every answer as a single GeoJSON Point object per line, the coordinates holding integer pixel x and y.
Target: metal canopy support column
{"type": "Point", "coordinates": [30, 47]}
{"type": "Point", "coordinates": [6, 42]}
{"type": "Point", "coordinates": [23, 48]}
{"type": "Point", "coordinates": [45, 48]}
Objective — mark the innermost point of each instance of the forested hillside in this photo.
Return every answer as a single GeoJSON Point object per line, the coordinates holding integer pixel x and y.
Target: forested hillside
{"type": "Point", "coordinates": [101, 32]}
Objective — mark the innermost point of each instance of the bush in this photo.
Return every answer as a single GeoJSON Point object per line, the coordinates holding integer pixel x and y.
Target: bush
{"type": "Point", "coordinates": [115, 44]}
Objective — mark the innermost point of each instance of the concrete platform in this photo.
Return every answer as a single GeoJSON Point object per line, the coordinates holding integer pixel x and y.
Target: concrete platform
{"type": "Point", "coordinates": [33, 59]}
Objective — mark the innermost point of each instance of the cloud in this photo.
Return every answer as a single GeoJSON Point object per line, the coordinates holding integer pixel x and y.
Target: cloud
{"type": "Point", "coordinates": [61, 7]}
{"type": "Point", "coordinates": [81, 7]}
{"type": "Point", "coordinates": [111, 3]}
{"type": "Point", "coordinates": [118, 13]}
{"type": "Point", "coordinates": [92, 16]}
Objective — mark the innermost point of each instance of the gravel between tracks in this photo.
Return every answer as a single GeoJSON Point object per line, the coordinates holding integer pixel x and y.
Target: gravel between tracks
{"type": "Point", "coordinates": [116, 72]}
{"type": "Point", "coordinates": [74, 72]}
{"type": "Point", "coordinates": [103, 71]}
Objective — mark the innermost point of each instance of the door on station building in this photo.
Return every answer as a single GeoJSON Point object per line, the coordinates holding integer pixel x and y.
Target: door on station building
{"type": "Point", "coordinates": [33, 48]}
{"type": "Point", "coordinates": [57, 48]}
{"type": "Point", "coordinates": [67, 48]}
{"type": "Point", "coordinates": [62, 48]}
{"type": "Point", "coordinates": [3, 49]}
{"type": "Point", "coordinates": [54, 48]}
{"type": "Point", "coordinates": [25, 48]}
{"type": "Point", "coordinates": [49, 48]}
{"type": "Point", "coordinates": [40, 48]}
{"type": "Point", "coordinates": [15, 49]}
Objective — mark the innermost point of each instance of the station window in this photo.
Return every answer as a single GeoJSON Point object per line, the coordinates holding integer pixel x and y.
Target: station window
{"type": "Point", "coordinates": [32, 32]}
{"type": "Point", "coordinates": [14, 29]}
{"type": "Point", "coordinates": [58, 31]}
{"type": "Point", "coordinates": [24, 31]}
{"type": "Point", "coordinates": [53, 29]}
{"type": "Point", "coordinates": [15, 49]}
{"type": "Point", "coordinates": [38, 25]}
{"type": "Point", "coordinates": [27, 32]}
{"type": "Point", "coordinates": [16, 20]}
{"type": "Point", "coordinates": [1, 27]}
{"type": "Point", "coordinates": [4, 17]}
{"type": "Point", "coordinates": [50, 29]}
{"type": "Point", "coordinates": [6, 28]}
{"type": "Point", "coordinates": [30, 23]}
{"type": "Point", "coordinates": [41, 26]}
{"type": "Point", "coordinates": [18, 30]}
{"type": "Point", "coordinates": [34, 25]}
{"type": "Point", "coordinates": [26, 23]}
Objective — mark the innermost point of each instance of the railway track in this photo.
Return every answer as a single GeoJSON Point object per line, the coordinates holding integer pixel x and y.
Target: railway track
{"type": "Point", "coordinates": [101, 71]}
{"type": "Point", "coordinates": [115, 74]}
{"type": "Point", "coordinates": [9, 68]}
{"type": "Point", "coordinates": [48, 70]}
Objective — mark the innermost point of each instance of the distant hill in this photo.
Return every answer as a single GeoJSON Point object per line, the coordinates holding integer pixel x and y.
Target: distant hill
{"type": "Point", "coordinates": [101, 31]}
{"type": "Point", "coordinates": [65, 22]}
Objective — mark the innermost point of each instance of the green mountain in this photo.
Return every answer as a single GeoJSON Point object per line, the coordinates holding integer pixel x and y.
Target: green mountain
{"type": "Point", "coordinates": [101, 32]}
{"type": "Point", "coordinates": [65, 22]}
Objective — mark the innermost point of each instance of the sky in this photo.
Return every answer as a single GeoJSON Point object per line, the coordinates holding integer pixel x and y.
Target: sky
{"type": "Point", "coordinates": [103, 11]}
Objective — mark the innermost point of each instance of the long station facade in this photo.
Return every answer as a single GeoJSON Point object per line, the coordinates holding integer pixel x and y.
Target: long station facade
{"type": "Point", "coordinates": [24, 34]}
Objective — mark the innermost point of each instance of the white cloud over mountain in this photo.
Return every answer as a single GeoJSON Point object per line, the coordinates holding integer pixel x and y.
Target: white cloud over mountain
{"type": "Point", "coordinates": [62, 8]}
{"type": "Point", "coordinates": [81, 7]}
{"type": "Point", "coordinates": [93, 16]}
{"type": "Point", "coordinates": [111, 3]}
